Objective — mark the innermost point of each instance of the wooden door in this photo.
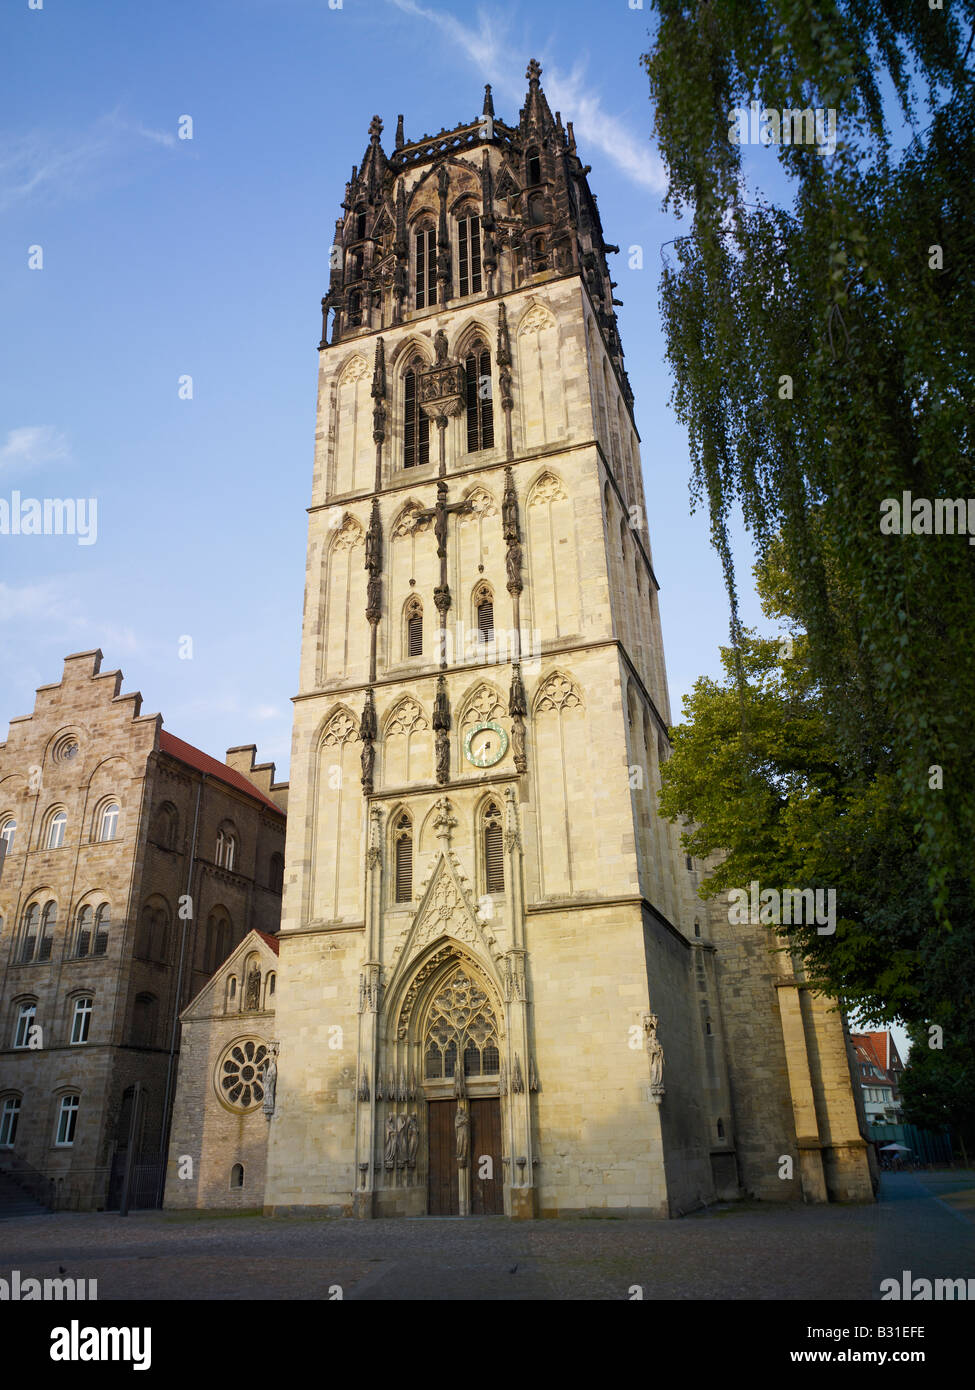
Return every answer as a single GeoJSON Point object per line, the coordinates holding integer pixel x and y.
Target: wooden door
{"type": "Point", "coordinates": [487, 1193]}
{"type": "Point", "coordinates": [442, 1191]}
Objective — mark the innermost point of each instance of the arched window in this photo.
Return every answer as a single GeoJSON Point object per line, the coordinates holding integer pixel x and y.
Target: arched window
{"type": "Point", "coordinates": [144, 1020]}
{"type": "Point", "coordinates": [152, 942]}
{"type": "Point", "coordinates": [537, 211]}
{"type": "Point", "coordinates": [9, 1115]}
{"type": "Point", "coordinates": [82, 937]}
{"type": "Point", "coordinates": [67, 1120]}
{"type": "Point", "coordinates": [533, 167]}
{"type": "Point", "coordinates": [484, 612]}
{"type": "Point", "coordinates": [425, 248]}
{"type": "Point", "coordinates": [108, 821]}
{"type": "Point", "coordinates": [404, 859]}
{"type": "Point", "coordinates": [272, 980]}
{"type": "Point", "coordinates": [81, 1020]}
{"type": "Point", "coordinates": [360, 222]}
{"type": "Point", "coordinates": [480, 402]}
{"type": "Point", "coordinates": [26, 1014]}
{"type": "Point", "coordinates": [414, 627]}
{"type": "Point", "coordinates": [29, 927]}
{"type": "Point", "coordinates": [276, 873]}
{"type": "Point", "coordinates": [469, 252]}
{"type": "Point", "coordinates": [55, 830]}
{"type": "Point", "coordinates": [7, 833]}
{"type": "Point", "coordinates": [461, 1023]}
{"type": "Point", "coordinates": [353, 310]}
{"type": "Point", "coordinates": [103, 921]}
{"type": "Point", "coordinates": [237, 1175]}
{"type": "Point", "coordinates": [165, 825]}
{"type": "Point", "coordinates": [493, 850]}
{"type": "Point", "coordinates": [354, 266]}
{"type": "Point", "coordinates": [226, 852]}
{"type": "Point", "coordinates": [231, 991]}
{"type": "Point", "coordinates": [416, 425]}
{"type": "Point", "coordinates": [219, 939]}
{"type": "Point", "coordinates": [48, 919]}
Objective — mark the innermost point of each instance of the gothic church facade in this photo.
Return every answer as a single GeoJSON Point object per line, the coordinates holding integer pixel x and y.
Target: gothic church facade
{"type": "Point", "coordinates": [498, 992]}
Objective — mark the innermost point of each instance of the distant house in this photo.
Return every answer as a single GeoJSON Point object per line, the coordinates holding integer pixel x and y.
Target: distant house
{"type": "Point", "coordinates": [879, 1065]}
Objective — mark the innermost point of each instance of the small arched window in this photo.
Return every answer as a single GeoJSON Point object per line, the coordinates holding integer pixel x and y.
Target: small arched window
{"type": "Point", "coordinates": [493, 850]}
{"type": "Point", "coordinates": [484, 612]}
{"type": "Point", "coordinates": [48, 919]}
{"type": "Point", "coordinates": [226, 853]}
{"type": "Point", "coordinates": [469, 252]}
{"type": "Point", "coordinates": [414, 627]}
{"type": "Point", "coordinates": [404, 859]}
{"type": "Point", "coordinates": [165, 825]}
{"type": "Point", "coordinates": [83, 931]}
{"type": "Point", "coordinates": [31, 922]}
{"type": "Point", "coordinates": [237, 1175]}
{"type": "Point", "coordinates": [480, 401]}
{"type": "Point", "coordinates": [108, 821]}
{"type": "Point", "coordinates": [270, 983]}
{"type": "Point", "coordinates": [276, 873]}
{"type": "Point", "coordinates": [721, 1129]}
{"type": "Point", "coordinates": [416, 425]}
{"type": "Point", "coordinates": [425, 251]}
{"type": "Point", "coordinates": [533, 167]}
{"type": "Point", "coordinates": [103, 921]}
{"type": "Point", "coordinates": [231, 991]}
{"type": "Point", "coordinates": [67, 1120]}
{"type": "Point", "coordinates": [55, 830]}
{"type": "Point", "coordinates": [8, 831]}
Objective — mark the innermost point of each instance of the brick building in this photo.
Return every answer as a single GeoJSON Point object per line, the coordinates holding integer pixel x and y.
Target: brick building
{"type": "Point", "coordinates": [134, 865]}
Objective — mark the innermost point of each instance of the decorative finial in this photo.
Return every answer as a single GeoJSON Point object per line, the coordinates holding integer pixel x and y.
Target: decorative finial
{"type": "Point", "coordinates": [400, 137]}
{"type": "Point", "coordinates": [488, 100]}
{"type": "Point", "coordinates": [534, 72]}
{"type": "Point", "coordinates": [375, 129]}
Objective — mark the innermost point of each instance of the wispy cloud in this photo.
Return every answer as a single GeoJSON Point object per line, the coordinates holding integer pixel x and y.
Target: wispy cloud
{"type": "Point", "coordinates": [65, 164]}
{"type": "Point", "coordinates": [36, 601]}
{"type": "Point", "coordinates": [29, 446]}
{"type": "Point", "coordinates": [488, 49]}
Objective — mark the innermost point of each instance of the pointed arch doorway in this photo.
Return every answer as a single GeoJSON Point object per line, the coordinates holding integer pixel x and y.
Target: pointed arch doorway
{"type": "Point", "coordinates": [461, 1077]}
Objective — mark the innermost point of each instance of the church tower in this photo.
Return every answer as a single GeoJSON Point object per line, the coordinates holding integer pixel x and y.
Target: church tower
{"type": "Point", "coordinates": [493, 978]}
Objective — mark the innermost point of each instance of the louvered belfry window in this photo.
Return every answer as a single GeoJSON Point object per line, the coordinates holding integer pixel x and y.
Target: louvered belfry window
{"type": "Point", "coordinates": [426, 268]}
{"type": "Point", "coordinates": [414, 629]}
{"type": "Point", "coordinates": [416, 433]}
{"type": "Point", "coordinates": [404, 860]}
{"type": "Point", "coordinates": [469, 254]}
{"type": "Point", "coordinates": [493, 851]}
{"type": "Point", "coordinates": [485, 617]}
{"type": "Point", "coordinates": [480, 405]}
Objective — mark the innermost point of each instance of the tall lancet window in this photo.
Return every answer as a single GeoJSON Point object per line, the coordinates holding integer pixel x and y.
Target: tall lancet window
{"type": "Point", "coordinates": [404, 859]}
{"type": "Point", "coordinates": [480, 404]}
{"type": "Point", "coordinates": [414, 628]}
{"type": "Point", "coordinates": [493, 850]}
{"type": "Point", "coordinates": [425, 243]}
{"type": "Point", "coordinates": [469, 253]}
{"type": "Point", "coordinates": [416, 428]}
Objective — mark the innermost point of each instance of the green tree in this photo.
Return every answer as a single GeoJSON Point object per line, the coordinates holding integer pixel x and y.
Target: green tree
{"type": "Point", "coordinates": [823, 351]}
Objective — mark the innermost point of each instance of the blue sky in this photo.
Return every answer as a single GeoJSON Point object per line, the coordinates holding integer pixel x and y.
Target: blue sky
{"type": "Point", "coordinates": [165, 257]}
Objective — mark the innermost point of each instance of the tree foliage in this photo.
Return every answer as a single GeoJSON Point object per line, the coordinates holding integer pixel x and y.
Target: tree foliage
{"type": "Point", "coordinates": [840, 287]}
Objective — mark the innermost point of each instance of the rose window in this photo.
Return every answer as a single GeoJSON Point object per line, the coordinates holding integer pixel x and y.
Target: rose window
{"type": "Point", "coordinates": [240, 1074]}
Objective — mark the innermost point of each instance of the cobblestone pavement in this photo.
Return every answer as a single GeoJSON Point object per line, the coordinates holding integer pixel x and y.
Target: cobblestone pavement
{"type": "Point", "coordinates": [924, 1222]}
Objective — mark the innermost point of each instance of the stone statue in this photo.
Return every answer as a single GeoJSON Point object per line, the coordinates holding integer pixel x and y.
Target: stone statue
{"type": "Point", "coordinates": [655, 1052]}
{"type": "Point", "coordinates": [368, 766]}
{"type": "Point", "coordinates": [389, 1152]}
{"type": "Point", "coordinates": [412, 1139]}
{"type": "Point", "coordinates": [443, 757]}
{"type": "Point", "coordinates": [462, 1130]}
{"type": "Point", "coordinates": [401, 1137]}
{"type": "Point", "coordinates": [252, 993]}
{"type": "Point", "coordinates": [270, 1080]}
{"type": "Point", "coordinates": [513, 565]}
{"type": "Point", "coordinates": [518, 743]}
{"type": "Point", "coordinates": [440, 347]}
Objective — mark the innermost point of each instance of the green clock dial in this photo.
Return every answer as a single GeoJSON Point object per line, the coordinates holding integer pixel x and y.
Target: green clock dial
{"type": "Point", "coordinates": [485, 744]}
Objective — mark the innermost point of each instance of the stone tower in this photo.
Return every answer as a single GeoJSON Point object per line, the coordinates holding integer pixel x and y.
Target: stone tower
{"type": "Point", "coordinates": [492, 963]}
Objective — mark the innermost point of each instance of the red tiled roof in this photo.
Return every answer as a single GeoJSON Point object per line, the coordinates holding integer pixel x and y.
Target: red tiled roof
{"type": "Point", "coordinates": [876, 1045]}
{"type": "Point", "coordinates": [272, 941]}
{"type": "Point", "coordinates": [202, 762]}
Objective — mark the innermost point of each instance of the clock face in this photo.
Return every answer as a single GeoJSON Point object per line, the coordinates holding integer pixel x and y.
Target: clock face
{"type": "Point", "coordinates": [486, 744]}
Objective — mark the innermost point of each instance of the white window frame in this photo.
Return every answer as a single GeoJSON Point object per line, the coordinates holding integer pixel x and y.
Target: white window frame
{"type": "Point", "coordinates": [67, 1121]}
{"type": "Point", "coordinates": [112, 811]}
{"type": "Point", "coordinates": [56, 827]}
{"type": "Point", "coordinates": [81, 1020]}
{"type": "Point", "coordinates": [26, 1015]}
{"type": "Point", "coordinates": [9, 1117]}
